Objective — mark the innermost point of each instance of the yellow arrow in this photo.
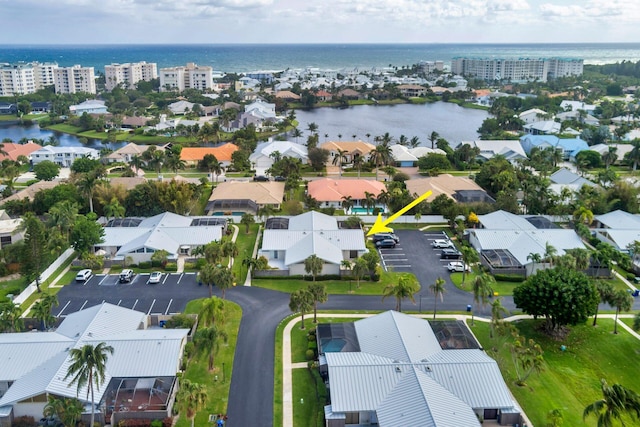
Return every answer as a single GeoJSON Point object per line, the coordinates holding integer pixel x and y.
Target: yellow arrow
{"type": "Point", "coordinates": [380, 226]}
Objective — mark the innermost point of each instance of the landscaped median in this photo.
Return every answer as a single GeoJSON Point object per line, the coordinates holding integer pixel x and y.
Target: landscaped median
{"type": "Point", "coordinates": [569, 379]}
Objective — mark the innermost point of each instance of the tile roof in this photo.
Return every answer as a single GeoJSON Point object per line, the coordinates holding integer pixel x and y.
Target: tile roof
{"type": "Point", "coordinates": [332, 190]}
{"type": "Point", "coordinates": [223, 152]}
{"type": "Point", "coordinates": [129, 183]}
{"type": "Point", "coordinates": [15, 150]}
{"type": "Point", "coordinates": [441, 184]}
{"type": "Point", "coordinates": [263, 193]}
{"type": "Point", "coordinates": [361, 147]}
{"type": "Point", "coordinates": [30, 191]}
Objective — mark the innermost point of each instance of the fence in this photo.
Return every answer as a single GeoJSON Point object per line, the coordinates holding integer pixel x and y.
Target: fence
{"type": "Point", "coordinates": [44, 276]}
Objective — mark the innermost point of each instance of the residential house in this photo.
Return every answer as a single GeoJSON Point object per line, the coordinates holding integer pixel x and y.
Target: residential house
{"type": "Point", "coordinates": [569, 146]}
{"type": "Point", "coordinates": [236, 197]}
{"type": "Point", "coordinates": [564, 178]}
{"type": "Point", "coordinates": [461, 189]}
{"type": "Point", "coordinates": [192, 155]}
{"type": "Point", "coordinates": [569, 105]}
{"type": "Point", "coordinates": [262, 109]}
{"type": "Point", "coordinates": [90, 106]}
{"type": "Point", "coordinates": [506, 242]}
{"type": "Point", "coordinates": [621, 230]}
{"type": "Point", "coordinates": [63, 156]}
{"type": "Point", "coordinates": [621, 150]}
{"type": "Point", "coordinates": [408, 157]}
{"type": "Point", "coordinates": [134, 122]}
{"type": "Point", "coordinates": [350, 94]}
{"type": "Point", "coordinates": [126, 153]}
{"type": "Point", "coordinates": [412, 91]}
{"type": "Point", "coordinates": [392, 369]}
{"type": "Point", "coordinates": [266, 153]}
{"type": "Point", "coordinates": [546, 127]}
{"type": "Point", "coordinates": [7, 108]}
{"type": "Point", "coordinates": [323, 96]}
{"type": "Point", "coordinates": [140, 238]}
{"type": "Point", "coordinates": [41, 107]}
{"type": "Point", "coordinates": [311, 233]}
{"type": "Point", "coordinates": [533, 115]}
{"type": "Point", "coordinates": [287, 95]}
{"type": "Point", "coordinates": [510, 149]}
{"type": "Point", "coordinates": [14, 150]}
{"type": "Point", "coordinates": [137, 382]}
{"type": "Point", "coordinates": [30, 192]}
{"type": "Point", "coordinates": [181, 107]}
{"type": "Point", "coordinates": [128, 183]}
{"type": "Point", "coordinates": [332, 192]}
{"type": "Point", "coordinates": [581, 117]}
{"type": "Point", "coordinates": [9, 229]}
{"type": "Point", "coordinates": [263, 76]}
{"type": "Point", "coordinates": [350, 150]}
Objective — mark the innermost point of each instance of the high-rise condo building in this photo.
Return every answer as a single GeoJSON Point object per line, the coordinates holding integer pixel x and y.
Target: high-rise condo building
{"type": "Point", "coordinates": [192, 76]}
{"type": "Point", "coordinates": [129, 74]}
{"type": "Point", "coordinates": [23, 78]}
{"type": "Point", "coordinates": [75, 79]}
{"type": "Point", "coordinates": [517, 69]}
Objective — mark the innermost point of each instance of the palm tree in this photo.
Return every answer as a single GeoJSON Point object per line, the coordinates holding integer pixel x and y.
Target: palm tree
{"type": "Point", "coordinates": [369, 201]}
{"type": "Point", "coordinates": [616, 402]}
{"type": "Point", "coordinates": [622, 301]}
{"type": "Point", "coordinates": [610, 157]}
{"type": "Point", "coordinates": [63, 215]}
{"type": "Point", "coordinates": [438, 290]}
{"type": "Point", "coordinates": [88, 364]}
{"type": "Point", "coordinates": [300, 301]}
{"type": "Point", "coordinates": [497, 311]}
{"type": "Point", "coordinates": [346, 204]}
{"type": "Point", "coordinates": [318, 294]}
{"type": "Point", "coordinates": [207, 341]}
{"type": "Point", "coordinates": [247, 219]}
{"type": "Point", "coordinates": [66, 410]}
{"type": "Point", "coordinates": [357, 162]}
{"type": "Point", "coordinates": [224, 278]}
{"type": "Point", "coordinates": [381, 155]}
{"type": "Point", "coordinates": [114, 209]}
{"type": "Point", "coordinates": [86, 184]}
{"type": "Point", "coordinates": [583, 215]}
{"type": "Point", "coordinates": [10, 317]}
{"type": "Point", "coordinates": [433, 138]}
{"type": "Point", "coordinates": [482, 290]}
{"type": "Point", "coordinates": [535, 258]}
{"type": "Point", "coordinates": [42, 308]}
{"type": "Point", "coordinates": [469, 256]}
{"type": "Point", "coordinates": [358, 270]}
{"type": "Point", "coordinates": [313, 265]}
{"type": "Point", "coordinates": [211, 312]}
{"type": "Point", "coordinates": [549, 252]}
{"type": "Point", "coordinates": [605, 291]}
{"type": "Point", "coordinates": [414, 142]}
{"type": "Point", "coordinates": [634, 154]}
{"type": "Point", "coordinates": [207, 276]}
{"type": "Point", "coordinates": [136, 162]}
{"type": "Point", "coordinates": [191, 397]}
{"type": "Point", "coordinates": [339, 159]}
{"type": "Point", "coordinates": [406, 287]}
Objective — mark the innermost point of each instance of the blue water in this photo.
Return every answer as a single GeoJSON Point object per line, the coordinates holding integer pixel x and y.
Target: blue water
{"type": "Point", "coordinates": [251, 57]}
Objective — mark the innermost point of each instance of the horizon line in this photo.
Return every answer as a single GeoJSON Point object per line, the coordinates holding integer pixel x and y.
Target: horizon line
{"type": "Point", "coordinates": [315, 43]}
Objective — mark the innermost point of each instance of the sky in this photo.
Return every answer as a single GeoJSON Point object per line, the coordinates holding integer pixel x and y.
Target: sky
{"type": "Point", "coordinates": [318, 21]}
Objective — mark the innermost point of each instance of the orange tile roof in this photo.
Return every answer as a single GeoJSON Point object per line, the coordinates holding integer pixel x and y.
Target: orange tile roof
{"type": "Point", "coordinates": [348, 146]}
{"type": "Point", "coordinates": [223, 153]}
{"type": "Point", "coordinates": [482, 92]}
{"type": "Point", "coordinates": [14, 150]}
{"type": "Point", "coordinates": [333, 190]}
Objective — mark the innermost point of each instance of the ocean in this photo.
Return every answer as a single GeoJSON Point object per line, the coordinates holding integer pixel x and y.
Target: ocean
{"type": "Point", "coordinates": [240, 58]}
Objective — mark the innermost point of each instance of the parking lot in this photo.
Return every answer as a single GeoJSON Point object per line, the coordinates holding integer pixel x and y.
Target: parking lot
{"type": "Point", "coordinates": [169, 296]}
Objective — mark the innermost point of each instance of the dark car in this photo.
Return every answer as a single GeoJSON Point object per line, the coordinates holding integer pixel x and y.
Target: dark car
{"type": "Point", "coordinates": [280, 179]}
{"type": "Point", "coordinates": [382, 236]}
{"type": "Point", "coordinates": [450, 254]}
{"type": "Point", "coordinates": [260, 178]}
{"type": "Point", "coordinates": [386, 243]}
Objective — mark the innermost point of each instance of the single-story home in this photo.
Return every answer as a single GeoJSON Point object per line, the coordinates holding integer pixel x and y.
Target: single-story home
{"type": "Point", "coordinates": [33, 366]}
{"type": "Point", "coordinates": [392, 369]}
{"type": "Point", "coordinates": [331, 192]}
{"type": "Point", "coordinates": [545, 127]}
{"type": "Point", "coordinates": [127, 182]}
{"type": "Point", "coordinates": [181, 107]}
{"type": "Point", "coordinates": [126, 153]}
{"type": "Point", "coordinates": [14, 150]}
{"type": "Point", "coordinates": [192, 155]}
{"type": "Point", "coordinates": [266, 153]}
{"type": "Point", "coordinates": [287, 95]}
{"type": "Point", "coordinates": [140, 238]}
{"type": "Point", "coordinates": [510, 149]}
{"type": "Point", "coordinates": [238, 197]}
{"type": "Point", "coordinates": [351, 149]}
{"type": "Point", "coordinates": [90, 106]}
{"type": "Point", "coordinates": [621, 150]}
{"type": "Point", "coordinates": [532, 115]}
{"type": "Point", "coordinates": [564, 178]}
{"type": "Point", "coordinates": [41, 107]}
{"type": "Point", "coordinates": [408, 157]}
{"type": "Point", "coordinates": [461, 189]}
{"type": "Point", "coordinates": [619, 229]}
{"type": "Point", "coordinates": [569, 146]}
{"type": "Point", "coordinates": [9, 229]}
{"type": "Point", "coordinates": [311, 233]}
{"type": "Point", "coordinates": [587, 119]}
{"type": "Point", "coordinates": [7, 108]}
{"type": "Point", "coordinates": [569, 105]}
{"type": "Point", "coordinates": [30, 192]}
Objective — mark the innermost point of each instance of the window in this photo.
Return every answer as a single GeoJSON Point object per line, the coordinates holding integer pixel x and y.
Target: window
{"type": "Point", "coordinates": [353, 254]}
{"type": "Point", "coordinates": [4, 241]}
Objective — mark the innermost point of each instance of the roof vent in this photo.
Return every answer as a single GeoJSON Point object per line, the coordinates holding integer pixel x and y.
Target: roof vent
{"type": "Point", "coordinates": [398, 369]}
{"type": "Point", "coordinates": [428, 368]}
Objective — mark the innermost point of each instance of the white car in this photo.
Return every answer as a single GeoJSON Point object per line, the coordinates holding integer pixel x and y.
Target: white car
{"type": "Point", "coordinates": [83, 275]}
{"type": "Point", "coordinates": [442, 243]}
{"type": "Point", "coordinates": [458, 266]}
{"type": "Point", "coordinates": [155, 277]}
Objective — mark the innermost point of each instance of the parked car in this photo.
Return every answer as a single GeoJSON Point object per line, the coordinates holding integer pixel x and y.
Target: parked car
{"type": "Point", "coordinates": [280, 179]}
{"type": "Point", "coordinates": [155, 277]}
{"type": "Point", "coordinates": [83, 275]}
{"type": "Point", "coordinates": [458, 266]}
{"type": "Point", "coordinates": [386, 243]}
{"type": "Point", "coordinates": [260, 178]}
{"type": "Point", "coordinates": [442, 243]}
{"type": "Point", "coordinates": [126, 276]}
{"type": "Point", "coordinates": [450, 254]}
{"type": "Point", "coordinates": [382, 236]}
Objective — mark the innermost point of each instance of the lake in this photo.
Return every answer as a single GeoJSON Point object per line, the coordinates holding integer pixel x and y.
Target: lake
{"type": "Point", "coordinates": [451, 121]}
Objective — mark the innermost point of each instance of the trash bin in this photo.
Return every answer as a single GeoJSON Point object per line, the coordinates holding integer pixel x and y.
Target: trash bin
{"type": "Point", "coordinates": [636, 293]}
{"type": "Point", "coordinates": [468, 308]}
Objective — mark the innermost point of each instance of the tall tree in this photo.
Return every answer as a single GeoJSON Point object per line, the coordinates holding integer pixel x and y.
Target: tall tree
{"type": "Point", "coordinates": [207, 276]}
{"type": "Point", "coordinates": [88, 364]}
{"type": "Point", "coordinates": [605, 292]}
{"type": "Point", "coordinates": [622, 301]}
{"type": "Point", "coordinates": [406, 287]}
{"type": "Point", "coordinates": [617, 401]}
{"type": "Point", "coordinates": [433, 137]}
{"type": "Point", "coordinates": [319, 294]}
{"type": "Point", "coordinates": [62, 215]}
{"type": "Point", "coordinates": [224, 278]}
{"type": "Point", "coordinates": [497, 312]}
{"type": "Point", "coordinates": [212, 312]}
{"type": "Point", "coordinates": [438, 290]}
{"type": "Point", "coordinates": [33, 258]}
{"type": "Point", "coordinates": [247, 219]}
{"type": "Point", "coordinates": [207, 341]}
{"type": "Point", "coordinates": [359, 269]}
{"type": "Point", "coordinates": [313, 265]}
{"type": "Point", "coordinates": [482, 287]}
{"type": "Point", "coordinates": [191, 398]}
{"type": "Point", "coordinates": [301, 301]}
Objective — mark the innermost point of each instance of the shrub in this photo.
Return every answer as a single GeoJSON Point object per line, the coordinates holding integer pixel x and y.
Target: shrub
{"type": "Point", "coordinates": [310, 354]}
{"type": "Point", "coordinates": [509, 278]}
{"type": "Point", "coordinates": [171, 266]}
{"type": "Point", "coordinates": [145, 265]}
{"type": "Point", "coordinates": [190, 266]}
{"type": "Point", "coordinates": [201, 262]}
{"type": "Point", "coordinates": [93, 262]}
{"type": "Point", "coordinates": [180, 321]}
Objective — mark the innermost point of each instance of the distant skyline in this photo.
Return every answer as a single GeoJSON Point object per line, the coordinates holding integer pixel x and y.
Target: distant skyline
{"type": "Point", "coordinates": [318, 21]}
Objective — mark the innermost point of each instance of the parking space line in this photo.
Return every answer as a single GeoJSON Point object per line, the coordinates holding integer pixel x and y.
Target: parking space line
{"type": "Point", "coordinates": [134, 305]}
{"type": "Point", "coordinates": [119, 302]}
{"type": "Point", "coordinates": [83, 305]}
{"type": "Point", "coordinates": [151, 308]}
{"type": "Point", "coordinates": [63, 308]}
{"type": "Point", "coordinates": [166, 276]}
{"type": "Point", "coordinates": [181, 275]}
{"type": "Point", "coordinates": [103, 279]}
{"type": "Point", "coordinates": [168, 306]}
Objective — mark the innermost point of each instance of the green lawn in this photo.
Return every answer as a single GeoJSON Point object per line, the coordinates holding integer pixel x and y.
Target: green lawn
{"type": "Point", "coordinates": [571, 379]}
{"type": "Point", "coordinates": [13, 286]}
{"type": "Point", "coordinates": [218, 381]}
{"type": "Point", "coordinates": [245, 243]}
{"type": "Point", "coordinates": [333, 286]}
{"type": "Point", "coordinates": [309, 396]}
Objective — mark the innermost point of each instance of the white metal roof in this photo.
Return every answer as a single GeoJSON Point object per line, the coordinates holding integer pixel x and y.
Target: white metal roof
{"type": "Point", "coordinates": [503, 220]}
{"type": "Point", "coordinates": [285, 148]}
{"type": "Point", "coordinates": [619, 219]}
{"type": "Point", "coordinates": [313, 220]}
{"type": "Point", "coordinates": [313, 243]}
